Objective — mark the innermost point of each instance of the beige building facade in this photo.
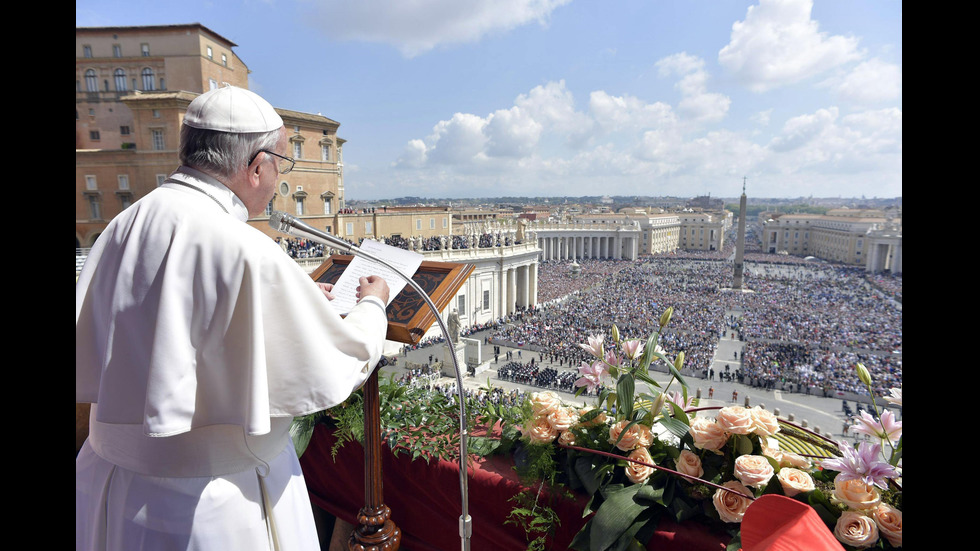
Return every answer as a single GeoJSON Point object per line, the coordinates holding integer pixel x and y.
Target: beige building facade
{"type": "Point", "coordinates": [861, 237]}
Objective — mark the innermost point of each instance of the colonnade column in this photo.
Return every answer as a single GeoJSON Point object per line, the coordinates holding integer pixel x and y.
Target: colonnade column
{"type": "Point", "coordinates": [511, 290]}
{"type": "Point", "coordinates": [533, 284]}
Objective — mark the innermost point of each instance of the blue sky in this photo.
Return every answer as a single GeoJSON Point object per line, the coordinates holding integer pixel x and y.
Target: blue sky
{"type": "Point", "coordinates": [489, 98]}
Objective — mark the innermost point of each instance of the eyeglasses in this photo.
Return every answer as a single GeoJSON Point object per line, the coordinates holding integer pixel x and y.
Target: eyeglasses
{"type": "Point", "coordinates": [285, 163]}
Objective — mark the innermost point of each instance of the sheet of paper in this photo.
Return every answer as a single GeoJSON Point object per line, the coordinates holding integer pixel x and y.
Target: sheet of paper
{"type": "Point", "coordinates": [405, 261]}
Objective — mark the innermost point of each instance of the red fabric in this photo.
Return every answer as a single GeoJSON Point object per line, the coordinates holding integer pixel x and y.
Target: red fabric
{"type": "Point", "coordinates": [425, 501]}
{"type": "Point", "coordinates": [780, 523]}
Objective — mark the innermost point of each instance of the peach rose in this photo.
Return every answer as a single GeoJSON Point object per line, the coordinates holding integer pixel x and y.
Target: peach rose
{"type": "Point", "coordinates": [764, 422]}
{"type": "Point", "coordinates": [795, 481]}
{"type": "Point", "coordinates": [856, 494]}
{"type": "Point", "coordinates": [753, 470]}
{"type": "Point", "coordinates": [790, 459]}
{"type": "Point", "coordinates": [774, 453]}
{"type": "Point", "coordinates": [889, 521]}
{"type": "Point", "coordinates": [690, 464]}
{"type": "Point", "coordinates": [567, 438]}
{"type": "Point", "coordinates": [731, 507]}
{"type": "Point", "coordinates": [545, 402]}
{"type": "Point", "coordinates": [634, 471]}
{"type": "Point", "coordinates": [856, 530]}
{"type": "Point", "coordinates": [563, 418]}
{"type": "Point", "coordinates": [540, 431]}
{"type": "Point", "coordinates": [707, 434]}
{"type": "Point", "coordinates": [637, 436]}
{"type": "Point", "coordinates": [735, 420]}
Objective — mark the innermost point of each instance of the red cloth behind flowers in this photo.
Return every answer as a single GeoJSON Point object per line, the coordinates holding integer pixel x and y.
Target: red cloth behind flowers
{"type": "Point", "coordinates": [425, 501]}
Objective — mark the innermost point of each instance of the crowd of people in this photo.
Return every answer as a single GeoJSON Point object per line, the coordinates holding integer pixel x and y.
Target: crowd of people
{"type": "Point", "coordinates": [300, 248]}
{"type": "Point", "coordinates": [531, 374]}
{"type": "Point", "coordinates": [805, 325]}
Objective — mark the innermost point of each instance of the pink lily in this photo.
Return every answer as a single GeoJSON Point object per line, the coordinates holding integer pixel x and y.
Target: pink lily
{"type": "Point", "coordinates": [677, 397]}
{"type": "Point", "coordinates": [633, 348]}
{"type": "Point", "coordinates": [591, 375]}
{"type": "Point", "coordinates": [594, 345]}
{"type": "Point", "coordinates": [896, 397]}
{"type": "Point", "coordinates": [888, 428]}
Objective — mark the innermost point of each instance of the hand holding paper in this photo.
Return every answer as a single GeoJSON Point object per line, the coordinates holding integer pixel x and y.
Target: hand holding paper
{"type": "Point", "coordinates": [346, 288]}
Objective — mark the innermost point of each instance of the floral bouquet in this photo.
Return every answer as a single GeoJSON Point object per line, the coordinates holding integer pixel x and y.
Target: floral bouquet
{"type": "Point", "coordinates": [649, 454]}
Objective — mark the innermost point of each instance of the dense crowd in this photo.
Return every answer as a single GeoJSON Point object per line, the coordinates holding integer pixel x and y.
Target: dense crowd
{"type": "Point", "coordinates": [805, 324]}
{"type": "Point", "coordinates": [300, 248]}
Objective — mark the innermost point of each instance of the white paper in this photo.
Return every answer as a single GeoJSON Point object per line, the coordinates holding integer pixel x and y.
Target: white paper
{"type": "Point", "coordinates": [405, 261]}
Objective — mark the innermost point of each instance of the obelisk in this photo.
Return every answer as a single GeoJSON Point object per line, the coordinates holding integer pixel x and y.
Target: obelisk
{"type": "Point", "coordinates": [740, 244]}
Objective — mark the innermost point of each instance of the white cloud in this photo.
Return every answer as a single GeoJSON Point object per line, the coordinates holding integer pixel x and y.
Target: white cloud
{"type": "Point", "coordinates": [778, 44]}
{"type": "Point", "coordinates": [697, 104]}
{"type": "Point", "coordinates": [512, 133]}
{"type": "Point", "coordinates": [800, 130]}
{"type": "Point", "coordinates": [415, 27]}
{"type": "Point", "coordinates": [859, 146]}
{"type": "Point", "coordinates": [869, 83]}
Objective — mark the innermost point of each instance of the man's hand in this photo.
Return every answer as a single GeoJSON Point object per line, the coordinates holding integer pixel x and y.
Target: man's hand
{"type": "Point", "coordinates": [373, 286]}
{"type": "Point", "coordinates": [326, 288]}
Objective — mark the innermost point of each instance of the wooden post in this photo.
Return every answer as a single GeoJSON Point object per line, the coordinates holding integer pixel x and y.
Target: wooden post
{"type": "Point", "coordinates": [375, 530]}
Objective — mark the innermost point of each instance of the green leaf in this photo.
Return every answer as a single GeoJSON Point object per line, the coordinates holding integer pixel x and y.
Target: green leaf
{"type": "Point", "coordinates": [301, 431]}
{"type": "Point", "coordinates": [625, 388]}
{"type": "Point", "coordinates": [676, 427]}
{"type": "Point", "coordinates": [676, 374]}
{"type": "Point", "coordinates": [614, 517]}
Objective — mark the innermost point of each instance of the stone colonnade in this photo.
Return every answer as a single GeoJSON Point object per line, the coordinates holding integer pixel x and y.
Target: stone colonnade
{"type": "Point", "coordinates": [574, 244]}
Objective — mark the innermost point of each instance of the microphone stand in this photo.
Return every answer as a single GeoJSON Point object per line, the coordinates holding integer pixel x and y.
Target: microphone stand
{"type": "Point", "coordinates": [285, 223]}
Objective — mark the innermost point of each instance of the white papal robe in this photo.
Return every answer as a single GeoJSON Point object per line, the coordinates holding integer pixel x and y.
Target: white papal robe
{"type": "Point", "coordinates": [197, 341]}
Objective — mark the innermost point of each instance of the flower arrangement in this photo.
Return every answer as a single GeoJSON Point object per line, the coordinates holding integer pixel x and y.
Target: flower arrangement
{"type": "Point", "coordinates": [646, 454]}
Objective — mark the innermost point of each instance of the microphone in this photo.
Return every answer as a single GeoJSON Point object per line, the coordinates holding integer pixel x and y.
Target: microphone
{"type": "Point", "coordinates": [282, 222]}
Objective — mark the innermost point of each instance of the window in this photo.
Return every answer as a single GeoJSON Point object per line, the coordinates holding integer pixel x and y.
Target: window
{"type": "Point", "coordinates": [326, 206]}
{"type": "Point", "coordinates": [147, 74]}
{"type": "Point", "coordinates": [268, 208]}
{"type": "Point", "coordinates": [161, 178]}
{"type": "Point", "coordinates": [91, 84]}
{"type": "Point", "coordinates": [299, 206]}
{"type": "Point", "coordinates": [418, 224]}
{"type": "Point", "coordinates": [461, 305]}
{"type": "Point", "coordinates": [210, 53]}
{"type": "Point", "coordinates": [368, 228]}
{"type": "Point", "coordinates": [158, 142]}
{"type": "Point", "coordinates": [163, 84]}
{"type": "Point", "coordinates": [91, 183]}
{"type": "Point", "coordinates": [120, 76]}
{"type": "Point", "coordinates": [95, 208]}
{"type": "Point", "coordinates": [93, 135]}
{"type": "Point", "coordinates": [124, 182]}
{"type": "Point", "coordinates": [486, 300]}
{"type": "Point", "coordinates": [350, 228]}
{"type": "Point", "coordinates": [324, 152]}
{"type": "Point", "coordinates": [224, 60]}
{"type": "Point", "coordinates": [124, 130]}
{"type": "Point", "coordinates": [432, 223]}
{"type": "Point", "coordinates": [156, 113]}
{"type": "Point", "coordinates": [86, 51]}
{"type": "Point", "coordinates": [125, 201]}
{"type": "Point", "coordinates": [212, 84]}
{"type": "Point", "coordinates": [297, 150]}
{"type": "Point", "coordinates": [445, 223]}
{"type": "Point", "coordinates": [145, 50]}
{"type": "Point", "coordinates": [116, 50]}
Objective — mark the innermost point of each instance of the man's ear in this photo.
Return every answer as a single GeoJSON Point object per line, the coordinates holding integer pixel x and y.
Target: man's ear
{"type": "Point", "coordinates": [254, 170]}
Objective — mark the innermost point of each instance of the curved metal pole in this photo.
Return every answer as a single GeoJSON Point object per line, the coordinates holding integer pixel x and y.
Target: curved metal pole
{"type": "Point", "coordinates": [465, 521]}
